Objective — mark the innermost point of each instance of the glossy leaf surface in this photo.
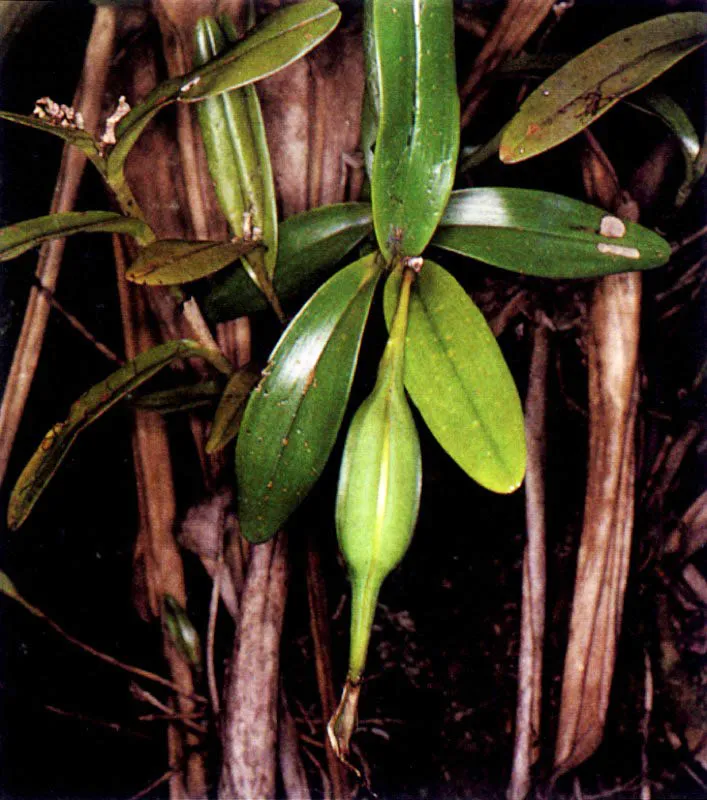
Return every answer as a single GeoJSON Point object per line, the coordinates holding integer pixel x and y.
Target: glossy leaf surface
{"type": "Point", "coordinates": [418, 133]}
{"type": "Point", "coordinates": [590, 84]}
{"type": "Point", "coordinates": [172, 261]}
{"type": "Point", "coordinates": [458, 379]}
{"type": "Point", "coordinates": [379, 486]}
{"type": "Point", "coordinates": [237, 153]}
{"type": "Point", "coordinates": [79, 138]}
{"type": "Point", "coordinates": [229, 413]}
{"type": "Point", "coordinates": [376, 505]}
{"type": "Point", "coordinates": [22, 236]}
{"type": "Point", "coordinates": [281, 38]}
{"type": "Point", "coordinates": [310, 245]}
{"type": "Point", "coordinates": [89, 407]}
{"type": "Point", "coordinates": [539, 233]}
{"type": "Point", "coordinates": [293, 415]}
{"type": "Point", "coordinates": [284, 36]}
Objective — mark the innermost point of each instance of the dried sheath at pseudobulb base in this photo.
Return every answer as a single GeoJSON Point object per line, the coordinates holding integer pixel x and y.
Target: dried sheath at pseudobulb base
{"type": "Point", "coordinates": [376, 505]}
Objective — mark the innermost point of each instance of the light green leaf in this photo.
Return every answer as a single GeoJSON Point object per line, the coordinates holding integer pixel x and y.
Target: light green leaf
{"type": "Point", "coordinates": [89, 407]}
{"type": "Point", "coordinates": [458, 379]}
{"type": "Point", "coordinates": [79, 138]}
{"type": "Point", "coordinates": [590, 84]}
{"type": "Point", "coordinates": [181, 631]}
{"type": "Point", "coordinates": [418, 135]}
{"type": "Point", "coordinates": [229, 413]}
{"type": "Point", "coordinates": [293, 415]}
{"type": "Point", "coordinates": [539, 233]}
{"type": "Point", "coordinates": [172, 261]}
{"type": "Point", "coordinates": [22, 236]}
{"type": "Point", "coordinates": [311, 245]}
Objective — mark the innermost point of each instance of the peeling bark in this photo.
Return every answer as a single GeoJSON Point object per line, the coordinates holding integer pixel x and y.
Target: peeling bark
{"type": "Point", "coordinates": [603, 559]}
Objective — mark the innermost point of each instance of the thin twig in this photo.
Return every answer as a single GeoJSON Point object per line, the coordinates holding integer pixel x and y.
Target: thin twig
{"type": "Point", "coordinates": [87, 99]}
{"type": "Point", "coordinates": [77, 325]}
{"type": "Point", "coordinates": [646, 724]}
{"type": "Point", "coordinates": [693, 237]}
{"type": "Point", "coordinates": [211, 638]}
{"type": "Point", "coordinates": [158, 782]}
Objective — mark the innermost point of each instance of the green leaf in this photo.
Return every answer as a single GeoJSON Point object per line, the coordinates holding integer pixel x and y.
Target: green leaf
{"type": "Point", "coordinates": [22, 236]}
{"type": "Point", "coordinates": [590, 84]}
{"type": "Point", "coordinates": [181, 631]}
{"type": "Point", "coordinates": [458, 379]}
{"type": "Point", "coordinates": [79, 138]}
{"type": "Point", "coordinates": [134, 123]}
{"type": "Point", "coordinates": [8, 588]}
{"type": "Point", "coordinates": [237, 153]}
{"type": "Point", "coordinates": [229, 413]}
{"type": "Point", "coordinates": [181, 398]}
{"type": "Point", "coordinates": [310, 246]}
{"type": "Point", "coordinates": [539, 233]}
{"type": "Point", "coordinates": [88, 408]}
{"type": "Point", "coordinates": [172, 261]}
{"type": "Point", "coordinates": [418, 135]}
{"type": "Point", "coordinates": [679, 124]}
{"type": "Point", "coordinates": [293, 415]}
{"type": "Point", "coordinates": [281, 38]}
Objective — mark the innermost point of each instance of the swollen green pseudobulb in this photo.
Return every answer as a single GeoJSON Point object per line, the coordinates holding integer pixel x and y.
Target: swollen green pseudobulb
{"type": "Point", "coordinates": [376, 505]}
{"type": "Point", "coordinates": [239, 161]}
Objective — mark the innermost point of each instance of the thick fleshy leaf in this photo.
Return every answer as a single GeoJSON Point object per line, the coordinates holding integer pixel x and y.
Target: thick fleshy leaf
{"type": "Point", "coordinates": [22, 236]}
{"type": "Point", "coordinates": [282, 37]}
{"type": "Point", "coordinates": [79, 138]}
{"type": "Point", "coordinates": [310, 246]}
{"type": "Point", "coordinates": [539, 233]}
{"type": "Point", "coordinates": [458, 379]}
{"type": "Point", "coordinates": [181, 398]}
{"type": "Point", "coordinates": [237, 153]}
{"type": "Point", "coordinates": [89, 407]}
{"type": "Point", "coordinates": [172, 261]}
{"type": "Point", "coordinates": [418, 133]}
{"type": "Point", "coordinates": [590, 84]}
{"type": "Point", "coordinates": [229, 413]}
{"type": "Point", "coordinates": [293, 415]}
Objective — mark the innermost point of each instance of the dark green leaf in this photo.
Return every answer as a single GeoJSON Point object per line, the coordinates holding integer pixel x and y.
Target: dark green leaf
{"type": "Point", "coordinates": [418, 135]}
{"type": "Point", "coordinates": [293, 415]}
{"type": "Point", "coordinates": [181, 398]}
{"type": "Point", "coordinates": [89, 407]}
{"type": "Point", "coordinates": [458, 379]}
{"type": "Point", "coordinates": [539, 233]}
{"type": "Point", "coordinates": [22, 236]}
{"type": "Point", "coordinates": [310, 246]}
{"type": "Point", "coordinates": [172, 261]}
{"type": "Point", "coordinates": [284, 36]}
{"type": "Point", "coordinates": [228, 416]}
{"type": "Point", "coordinates": [281, 38]}
{"type": "Point", "coordinates": [590, 84]}
{"type": "Point", "coordinates": [79, 138]}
